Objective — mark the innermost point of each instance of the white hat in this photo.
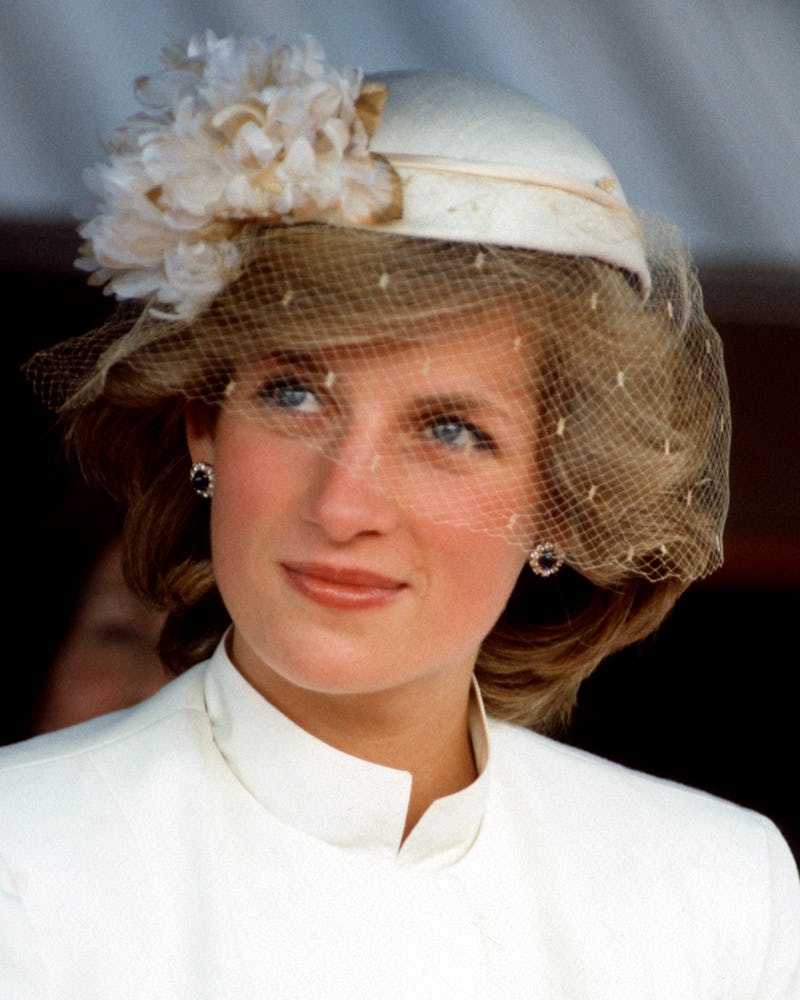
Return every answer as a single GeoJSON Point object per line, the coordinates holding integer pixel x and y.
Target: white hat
{"type": "Point", "coordinates": [209, 212]}
{"type": "Point", "coordinates": [482, 163]}
{"type": "Point", "coordinates": [235, 132]}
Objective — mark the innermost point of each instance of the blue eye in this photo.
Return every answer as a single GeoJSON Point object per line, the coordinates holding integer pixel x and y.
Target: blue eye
{"type": "Point", "coordinates": [457, 433]}
{"type": "Point", "coordinates": [288, 392]}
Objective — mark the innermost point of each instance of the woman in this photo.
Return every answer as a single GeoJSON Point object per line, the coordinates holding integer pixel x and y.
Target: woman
{"type": "Point", "coordinates": [454, 437]}
{"type": "Point", "coordinates": [90, 644]}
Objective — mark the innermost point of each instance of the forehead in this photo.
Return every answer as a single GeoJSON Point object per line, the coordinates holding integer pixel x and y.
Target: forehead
{"type": "Point", "coordinates": [487, 351]}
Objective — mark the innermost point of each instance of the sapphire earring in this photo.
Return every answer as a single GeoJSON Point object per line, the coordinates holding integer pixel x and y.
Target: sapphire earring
{"type": "Point", "coordinates": [201, 477]}
{"type": "Point", "coordinates": [546, 559]}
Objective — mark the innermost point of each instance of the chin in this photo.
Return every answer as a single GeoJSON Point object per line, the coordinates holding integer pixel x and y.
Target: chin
{"type": "Point", "coordinates": [320, 664]}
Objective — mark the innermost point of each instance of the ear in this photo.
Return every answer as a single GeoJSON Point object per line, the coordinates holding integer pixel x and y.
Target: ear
{"type": "Point", "coordinates": [200, 421]}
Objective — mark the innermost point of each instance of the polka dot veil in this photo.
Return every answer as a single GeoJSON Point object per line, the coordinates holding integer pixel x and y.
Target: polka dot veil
{"type": "Point", "coordinates": [444, 296]}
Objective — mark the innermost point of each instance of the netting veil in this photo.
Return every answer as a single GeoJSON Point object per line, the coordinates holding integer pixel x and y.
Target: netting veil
{"type": "Point", "coordinates": [445, 293]}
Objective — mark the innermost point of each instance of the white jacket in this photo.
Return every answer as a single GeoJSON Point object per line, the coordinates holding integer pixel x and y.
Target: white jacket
{"type": "Point", "coordinates": [203, 846]}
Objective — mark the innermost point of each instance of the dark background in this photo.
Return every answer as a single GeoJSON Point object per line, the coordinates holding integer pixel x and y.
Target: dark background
{"type": "Point", "coordinates": [710, 700]}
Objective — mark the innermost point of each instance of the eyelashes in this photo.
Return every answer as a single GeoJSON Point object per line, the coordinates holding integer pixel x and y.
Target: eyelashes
{"type": "Point", "coordinates": [290, 393]}
{"type": "Point", "coordinates": [457, 433]}
{"type": "Point", "coordinates": [295, 395]}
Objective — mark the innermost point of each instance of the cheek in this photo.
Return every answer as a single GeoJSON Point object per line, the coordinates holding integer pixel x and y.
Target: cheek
{"type": "Point", "coordinates": [497, 500]}
{"type": "Point", "coordinates": [497, 509]}
{"type": "Point", "coordinates": [484, 529]}
{"type": "Point", "coordinates": [480, 573]}
{"type": "Point", "coordinates": [256, 478]}
{"type": "Point", "coordinates": [258, 492]}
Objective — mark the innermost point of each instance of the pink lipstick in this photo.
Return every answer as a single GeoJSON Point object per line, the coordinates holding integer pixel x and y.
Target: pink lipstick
{"type": "Point", "coordinates": [344, 588]}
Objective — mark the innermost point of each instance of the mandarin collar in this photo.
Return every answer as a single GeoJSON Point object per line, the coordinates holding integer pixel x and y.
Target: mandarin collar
{"type": "Point", "coordinates": [347, 802]}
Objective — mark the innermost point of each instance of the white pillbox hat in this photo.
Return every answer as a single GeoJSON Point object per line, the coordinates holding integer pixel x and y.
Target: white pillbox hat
{"type": "Point", "coordinates": [482, 163]}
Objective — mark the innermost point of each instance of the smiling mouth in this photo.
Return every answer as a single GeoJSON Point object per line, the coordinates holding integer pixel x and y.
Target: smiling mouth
{"type": "Point", "coordinates": [348, 589]}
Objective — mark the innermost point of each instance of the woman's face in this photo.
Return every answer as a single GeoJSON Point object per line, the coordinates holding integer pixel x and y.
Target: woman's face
{"type": "Point", "coordinates": [109, 658]}
{"type": "Point", "coordinates": [346, 498]}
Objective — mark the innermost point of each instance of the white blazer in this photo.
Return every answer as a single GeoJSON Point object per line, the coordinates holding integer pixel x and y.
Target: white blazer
{"type": "Point", "coordinates": [202, 846]}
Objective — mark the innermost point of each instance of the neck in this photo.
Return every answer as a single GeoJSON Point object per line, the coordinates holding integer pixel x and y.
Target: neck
{"type": "Point", "coordinates": [420, 727]}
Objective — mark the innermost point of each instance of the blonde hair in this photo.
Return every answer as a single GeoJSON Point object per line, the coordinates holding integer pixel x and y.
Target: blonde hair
{"type": "Point", "coordinates": [626, 489]}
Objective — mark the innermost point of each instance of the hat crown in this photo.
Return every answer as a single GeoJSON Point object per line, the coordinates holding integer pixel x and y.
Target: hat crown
{"type": "Point", "coordinates": [482, 163]}
{"type": "Point", "coordinates": [461, 117]}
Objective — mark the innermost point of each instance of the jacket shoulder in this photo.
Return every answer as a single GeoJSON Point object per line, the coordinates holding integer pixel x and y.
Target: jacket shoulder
{"type": "Point", "coordinates": [613, 809]}
{"type": "Point", "coordinates": [43, 767]}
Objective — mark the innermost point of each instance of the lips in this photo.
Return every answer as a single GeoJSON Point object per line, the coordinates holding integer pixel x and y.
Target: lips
{"type": "Point", "coordinates": [342, 587]}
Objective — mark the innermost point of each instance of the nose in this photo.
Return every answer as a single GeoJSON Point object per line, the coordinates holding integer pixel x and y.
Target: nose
{"type": "Point", "coordinates": [347, 495]}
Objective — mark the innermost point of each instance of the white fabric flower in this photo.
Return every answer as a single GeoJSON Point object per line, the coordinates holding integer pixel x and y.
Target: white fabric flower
{"type": "Point", "coordinates": [233, 131]}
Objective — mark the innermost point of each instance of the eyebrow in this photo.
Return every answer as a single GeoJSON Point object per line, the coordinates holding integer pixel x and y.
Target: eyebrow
{"type": "Point", "coordinates": [445, 401]}
{"type": "Point", "coordinates": [301, 359]}
{"type": "Point", "coordinates": [461, 403]}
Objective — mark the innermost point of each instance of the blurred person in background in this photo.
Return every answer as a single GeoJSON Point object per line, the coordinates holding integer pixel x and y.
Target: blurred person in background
{"type": "Point", "coordinates": [90, 644]}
